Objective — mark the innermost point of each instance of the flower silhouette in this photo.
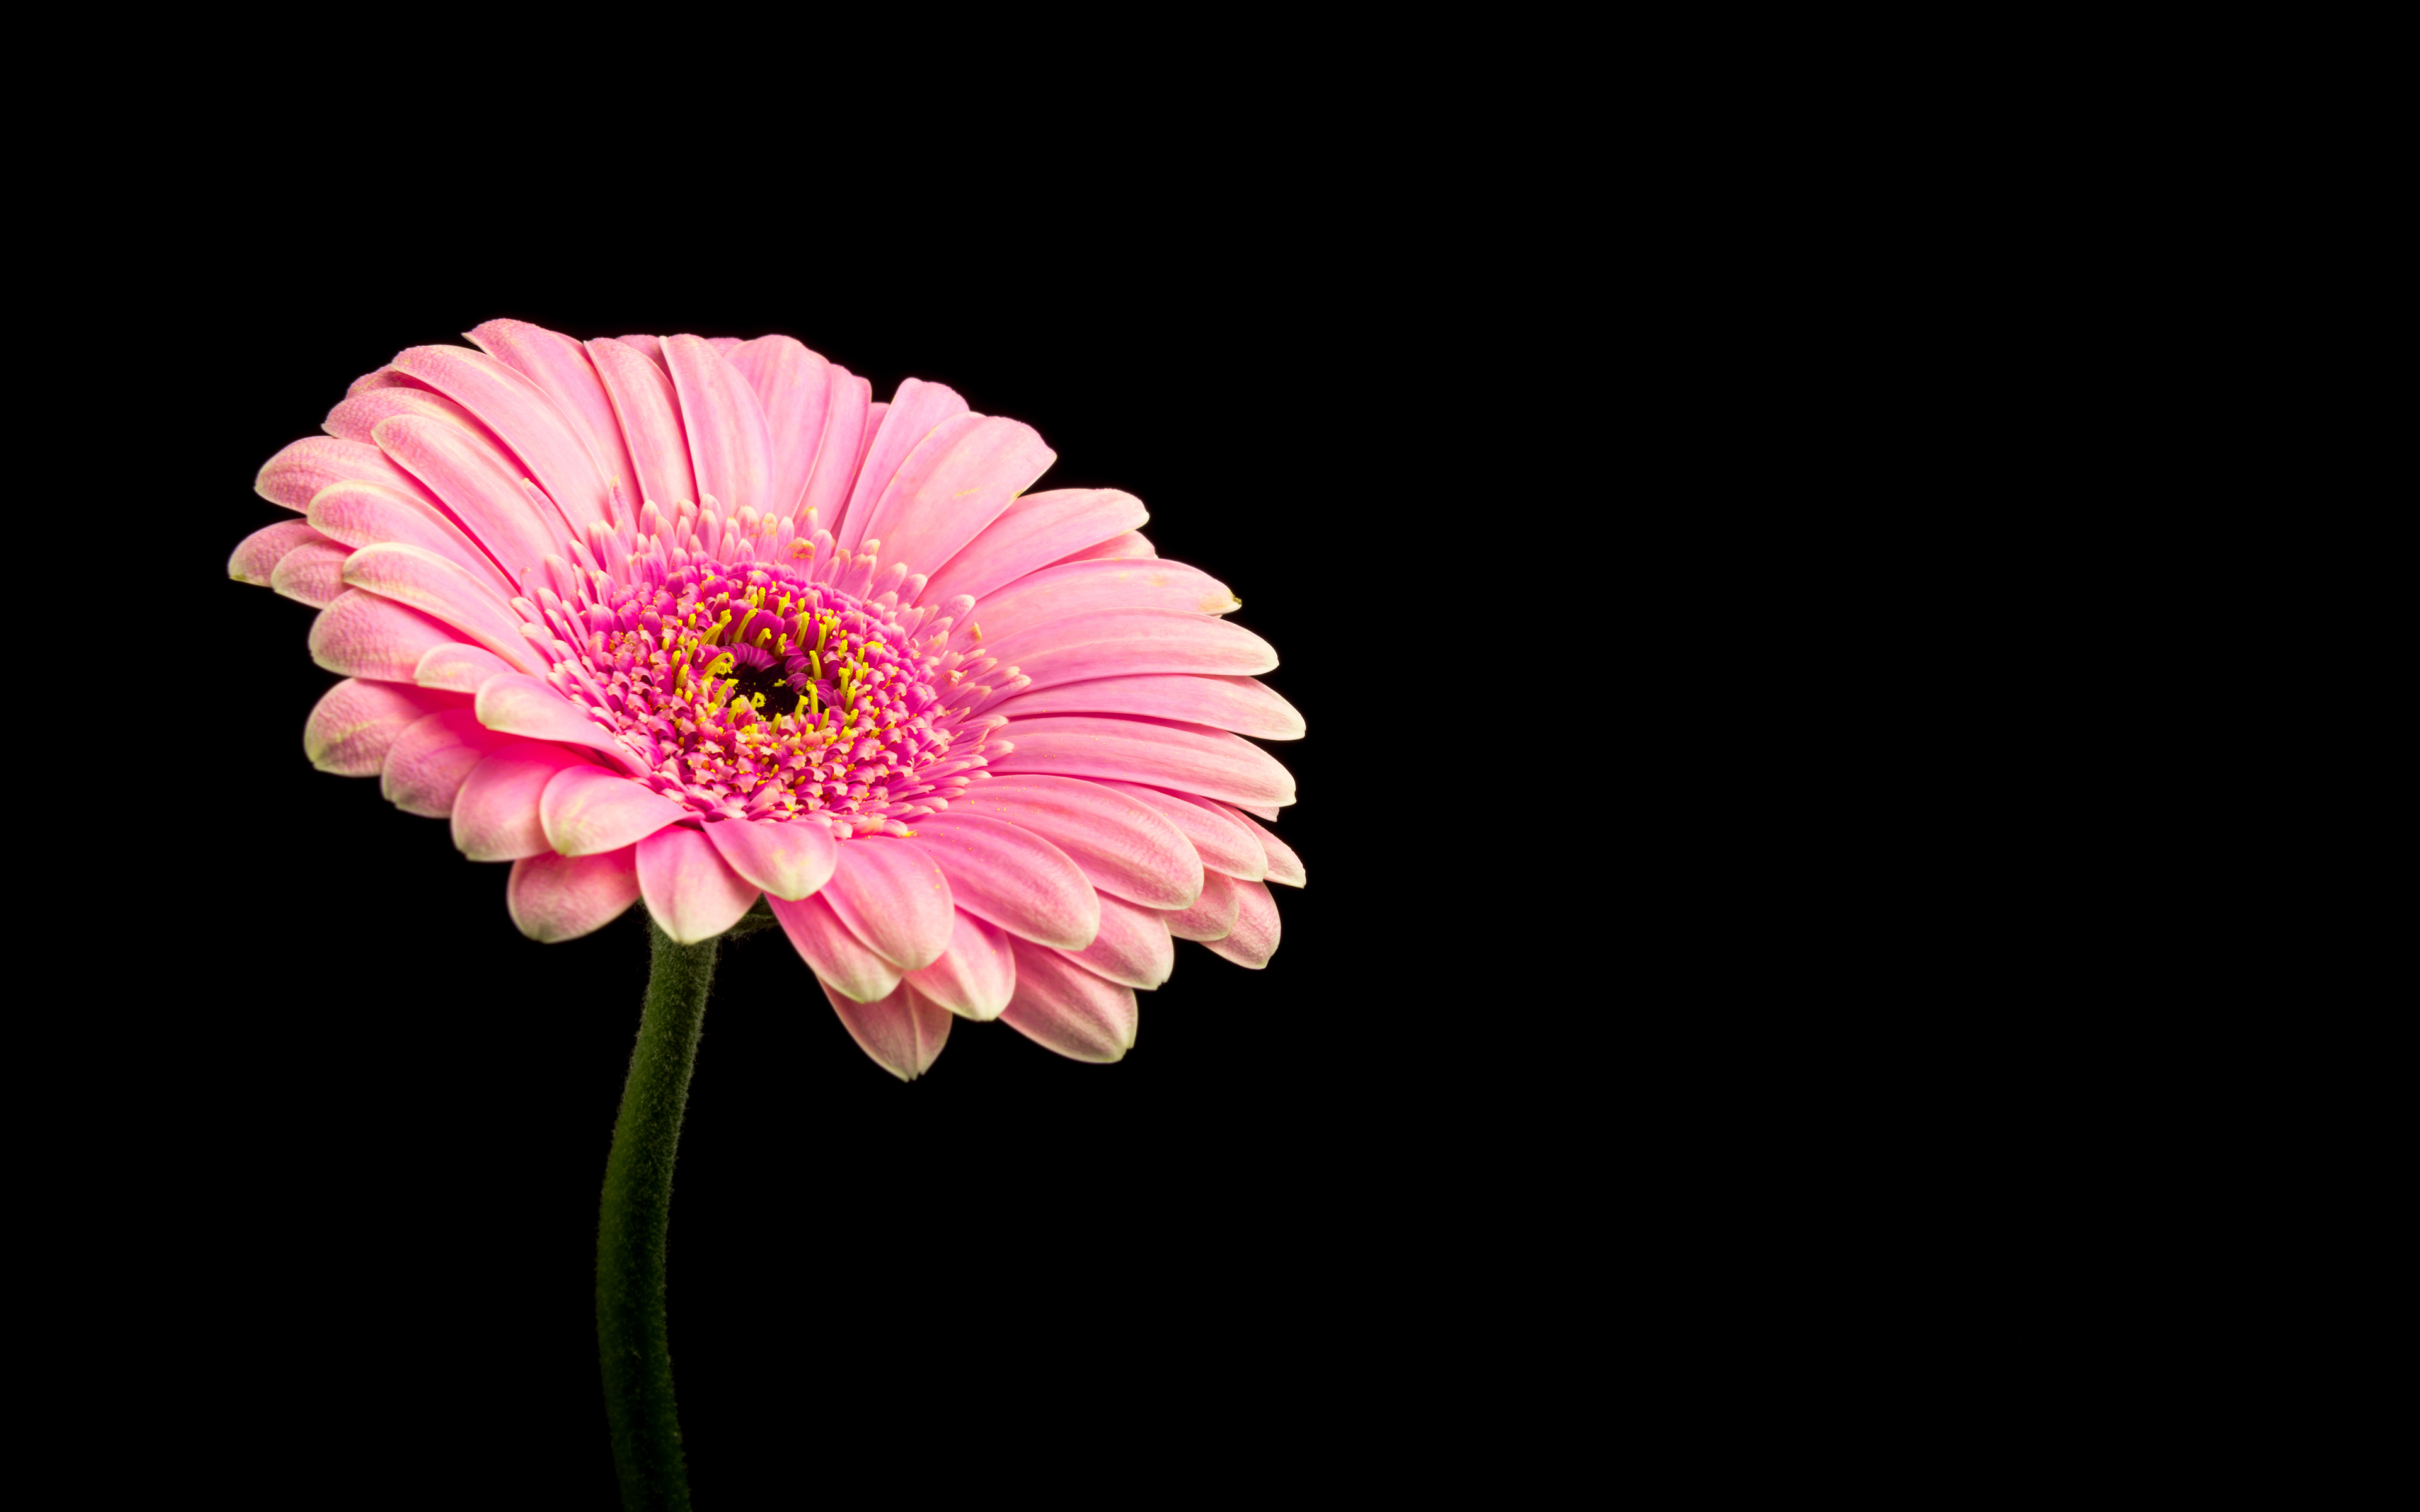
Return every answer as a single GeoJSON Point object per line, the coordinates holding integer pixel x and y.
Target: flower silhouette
{"type": "Point", "coordinates": [692, 623]}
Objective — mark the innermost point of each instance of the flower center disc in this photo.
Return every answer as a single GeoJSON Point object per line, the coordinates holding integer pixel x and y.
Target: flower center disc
{"type": "Point", "coordinates": [753, 678]}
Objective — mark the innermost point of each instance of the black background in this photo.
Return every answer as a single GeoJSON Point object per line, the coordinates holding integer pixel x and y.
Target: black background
{"type": "Point", "coordinates": [388, 1112]}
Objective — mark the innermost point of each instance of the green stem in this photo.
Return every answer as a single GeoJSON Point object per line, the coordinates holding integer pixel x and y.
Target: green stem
{"type": "Point", "coordinates": [630, 1227]}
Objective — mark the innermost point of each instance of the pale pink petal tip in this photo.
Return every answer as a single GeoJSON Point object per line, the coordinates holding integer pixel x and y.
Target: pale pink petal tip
{"type": "Point", "coordinates": [691, 892]}
{"type": "Point", "coordinates": [842, 961]}
{"type": "Point", "coordinates": [426, 767]}
{"type": "Point", "coordinates": [902, 1033]}
{"type": "Point", "coordinates": [356, 722]}
{"type": "Point", "coordinates": [976, 976]}
{"type": "Point", "coordinates": [557, 898]}
{"type": "Point", "coordinates": [1253, 936]}
{"type": "Point", "coordinates": [587, 811]}
{"type": "Point", "coordinates": [788, 860]}
{"type": "Point", "coordinates": [1061, 1005]}
{"type": "Point", "coordinates": [256, 558]}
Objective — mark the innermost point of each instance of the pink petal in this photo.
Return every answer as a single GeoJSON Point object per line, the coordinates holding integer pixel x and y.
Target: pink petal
{"type": "Point", "coordinates": [647, 347]}
{"type": "Point", "coordinates": [1032, 532]}
{"type": "Point", "coordinates": [903, 1033]}
{"type": "Point", "coordinates": [953, 485]}
{"type": "Point", "coordinates": [557, 898]}
{"type": "Point", "coordinates": [356, 722]}
{"type": "Point", "coordinates": [1124, 642]}
{"type": "Point", "coordinates": [793, 386]}
{"type": "Point", "coordinates": [495, 813]}
{"type": "Point", "coordinates": [588, 812]}
{"type": "Point", "coordinates": [846, 425]}
{"type": "Point", "coordinates": [1012, 877]}
{"type": "Point", "coordinates": [873, 414]}
{"type": "Point", "coordinates": [1088, 587]}
{"type": "Point", "coordinates": [1213, 915]}
{"type": "Point", "coordinates": [313, 573]}
{"type": "Point", "coordinates": [915, 411]}
{"type": "Point", "coordinates": [730, 451]}
{"type": "Point", "coordinates": [560, 366]}
{"type": "Point", "coordinates": [524, 706]}
{"type": "Point", "coordinates": [789, 860]}
{"type": "Point", "coordinates": [479, 488]}
{"type": "Point", "coordinates": [459, 668]}
{"type": "Point", "coordinates": [445, 593]}
{"type": "Point", "coordinates": [1254, 937]}
{"type": "Point", "coordinates": [1185, 758]}
{"type": "Point", "coordinates": [384, 378]}
{"type": "Point", "coordinates": [1061, 1005]}
{"type": "Point", "coordinates": [257, 555]}
{"type": "Point", "coordinates": [354, 418]}
{"type": "Point", "coordinates": [295, 474]}
{"type": "Point", "coordinates": [361, 635]}
{"type": "Point", "coordinates": [524, 418]}
{"type": "Point", "coordinates": [841, 961]}
{"type": "Point", "coordinates": [689, 889]}
{"type": "Point", "coordinates": [648, 412]}
{"type": "Point", "coordinates": [1128, 546]}
{"type": "Point", "coordinates": [1133, 947]}
{"type": "Point", "coordinates": [425, 767]}
{"type": "Point", "coordinates": [1284, 865]}
{"type": "Point", "coordinates": [976, 975]}
{"type": "Point", "coordinates": [1122, 846]}
{"type": "Point", "coordinates": [1246, 706]}
{"type": "Point", "coordinates": [1221, 836]}
{"type": "Point", "coordinates": [365, 515]}
{"type": "Point", "coordinates": [893, 897]}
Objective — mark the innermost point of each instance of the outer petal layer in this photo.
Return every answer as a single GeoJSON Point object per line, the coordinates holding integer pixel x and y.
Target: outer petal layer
{"type": "Point", "coordinates": [1035, 532]}
{"type": "Point", "coordinates": [361, 635]}
{"type": "Point", "coordinates": [903, 1033]}
{"type": "Point", "coordinates": [1185, 758]}
{"type": "Point", "coordinates": [976, 975]}
{"type": "Point", "coordinates": [524, 706]}
{"type": "Point", "coordinates": [1254, 937]}
{"type": "Point", "coordinates": [1125, 641]}
{"type": "Point", "coordinates": [426, 767]}
{"type": "Point", "coordinates": [1090, 587]}
{"type": "Point", "coordinates": [1213, 915]}
{"type": "Point", "coordinates": [313, 573]}
{"type": "Point", "coordinates": [257, 555]}
{"type": "Point", "coordinates": [557, 898]}
{"type": "Point", "coordinates": [843, 963]}
{"type": "Point", "coordinates": [1222, 838]}
{"type": "Point", "coordinates": [1246, 706]}
{"type": "Point", "coordinates": [496, 812]}
{"type": "Point", "coordinates": [1133, 947]}
{"type": "Point", "coordinates": [587, 811]}
{"type": "Point", "coordinates": [1012, 877]}
{"type": "Point", "coordinates": [788, 860]}
{"type": "Point", "coordinates": [1284, 865]}
{"type": "Point", "coordinates": [1120, 843]}
{"type": "Point", "coordinates": [1063, 1007]}
{"type": "Point", "coordinates": [688, 888]}
{"type": "Point", "coordinates": [894, 897]}
{"type": "Point", "coordinates": [356, 722]}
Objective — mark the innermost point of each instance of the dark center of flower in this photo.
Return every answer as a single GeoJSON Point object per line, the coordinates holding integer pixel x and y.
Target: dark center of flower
{"type": "Point", "coordinates": [765, 682]}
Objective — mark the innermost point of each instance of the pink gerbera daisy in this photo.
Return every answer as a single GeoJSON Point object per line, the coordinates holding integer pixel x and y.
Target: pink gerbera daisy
{"type": "Point", "coordinates": [694, 621]}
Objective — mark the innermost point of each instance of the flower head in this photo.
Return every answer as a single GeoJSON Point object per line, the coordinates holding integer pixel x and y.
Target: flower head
{"type": "Point", "coordinates": [689, 623]}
